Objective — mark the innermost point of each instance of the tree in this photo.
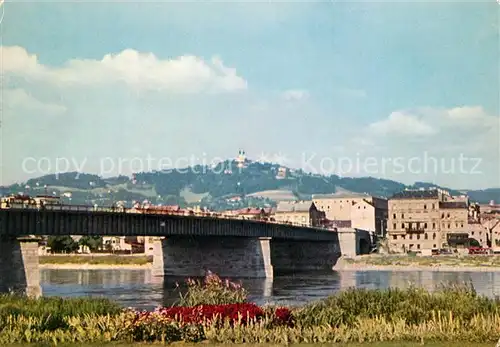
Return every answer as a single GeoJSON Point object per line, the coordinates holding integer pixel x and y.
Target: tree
{"type": "Point", "coordinates": [92, 242]}
{"type": "Point", "coordinates": [62, 244]}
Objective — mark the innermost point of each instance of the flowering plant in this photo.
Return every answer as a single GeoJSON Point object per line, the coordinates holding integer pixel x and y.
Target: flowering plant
{"type": "Point", "coordinates": [213, 291]}
{"type": "Point", "coordinates": [234, 313]}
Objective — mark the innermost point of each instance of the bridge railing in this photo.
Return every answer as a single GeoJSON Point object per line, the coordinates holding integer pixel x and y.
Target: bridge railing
{"type": "Point", "coordinates": [112, 209]}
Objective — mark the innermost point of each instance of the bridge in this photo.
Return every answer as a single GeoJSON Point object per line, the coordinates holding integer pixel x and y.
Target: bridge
{"type": "Point", "coordinates": [183, 245]}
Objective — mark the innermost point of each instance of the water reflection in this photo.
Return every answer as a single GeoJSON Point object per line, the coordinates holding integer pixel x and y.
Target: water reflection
{"type": "Point", "coordinates": [138, 288]}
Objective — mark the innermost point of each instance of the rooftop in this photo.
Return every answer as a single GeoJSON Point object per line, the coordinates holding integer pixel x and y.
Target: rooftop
{"type": "Point", "coordinates": [453, 204]}
{"type": "Point", "coordinates": [340, 195]}
{"type": "Point", "coordinates": [416, 194]}
{"type": "Point", "coordinates": [293, 206]}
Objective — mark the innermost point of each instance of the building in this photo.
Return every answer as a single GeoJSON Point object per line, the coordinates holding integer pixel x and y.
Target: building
{"type": "Point", "coordinates": [25, 201]}
{"type": "Point", "coordinates": [251, 213]}
{"type": "Point", "coordinates": [488, 217]}
{"type": "Point", "coordinates": [490, 209]}
{"type": "Point", "coordinates": [116, 243]}
{"type": "Point", "coordinates": [299, 212]}
{"type": "Point", "coordinates": [427, 219]}
{"type": "Point", "coordinates": [361, 210]}
{"type": "Point", "coordinates": [241, 159]}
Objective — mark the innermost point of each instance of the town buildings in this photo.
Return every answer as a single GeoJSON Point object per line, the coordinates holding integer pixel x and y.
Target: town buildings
{"type": "Point", "coordinates": [26, 201]}
{"type": "Point", "coordinates": [354, 210]}
{"type": "Point", "coordinates": [299, 212]}
{"type": "Point", "coordinates": [429, 219]}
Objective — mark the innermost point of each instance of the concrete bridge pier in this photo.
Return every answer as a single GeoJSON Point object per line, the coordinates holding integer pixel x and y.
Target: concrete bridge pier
{"type": "Point", "coordinates": [19, 266]}
{"type": "Point", "coordinates": [298, 256]}
{"type": "Point", "coordinates": [234, 257]}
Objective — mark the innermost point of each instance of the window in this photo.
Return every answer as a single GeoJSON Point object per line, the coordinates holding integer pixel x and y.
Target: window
{"type": "Point", "coordinates": [426, 236]}
{"type": "Point", "coordinates": [425, 207]}
{"type": "Point", "coordinates": [461, 225]}
{"type": "Point", "coordinates": [402, 215]}
{"type": "Point", "coordinates": [394, 226]}
{"type": "Point", "coordinates": [402, 225]}
{"type": "Point", "coordinates": [425, 225]}
{"type": "Point", "coordinates": [394, 237]}
{"type": "Point", "coordinates": [434, 237]}
{"type": "Point", "coordinates": [411, 237]}
{"type": "Point", "coordinates": [394, 216]}
{"type": "Point", "coordinates": [449, 225]}
{"type": "Point", "coordinates": [442, 215]}
{"type": "Point", "coordinates": [448, 215]}
{"type": "Point", "coordinates": [433, 206]}
{"type": "Point", "coordinates": [418, 236]}
{"type": "Point", "coordinates": [418, 246]}
{"type": "Point", "coordinates": [434, 246]}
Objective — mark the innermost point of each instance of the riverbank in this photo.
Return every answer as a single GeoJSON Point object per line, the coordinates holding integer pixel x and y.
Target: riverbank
{"type": "Point", "coordinates": [97, 262]}
{"type": "Point", "coordinates": [183, 344]}
{"type": "Point", "coordinates": [215, 311]}
{"type": "Point", "coordinates": [377, 262]}
{"type": "Point", "coordinates": [95, 266]}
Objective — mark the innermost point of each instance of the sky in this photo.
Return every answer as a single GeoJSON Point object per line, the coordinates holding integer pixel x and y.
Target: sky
{"type": "Point", "coordinates": [402, 90]}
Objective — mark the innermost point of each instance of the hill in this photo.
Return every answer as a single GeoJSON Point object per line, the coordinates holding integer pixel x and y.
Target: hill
{"type": "Point", "coordinates": [218, 187]}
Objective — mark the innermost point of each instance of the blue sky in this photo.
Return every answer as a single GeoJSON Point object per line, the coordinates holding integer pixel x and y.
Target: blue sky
{"type": "Point", "coordinates": [279, 79]}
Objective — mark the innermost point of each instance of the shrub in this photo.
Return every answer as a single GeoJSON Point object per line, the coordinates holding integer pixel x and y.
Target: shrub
{"type": "Point", "coordinates": [413, 305]}
{"type": "Point", "coordinates": [53, 310]}
{"type": "Point", "coordinates": [212, 291]}
{"type": "Point", "coordinates": [454, 314]}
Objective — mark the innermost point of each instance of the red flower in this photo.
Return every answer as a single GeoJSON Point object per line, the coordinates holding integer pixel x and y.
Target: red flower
{"type": "Point", "coordinates": [283, 316]}
{"type": "Point", "coordinates": [198, 314]}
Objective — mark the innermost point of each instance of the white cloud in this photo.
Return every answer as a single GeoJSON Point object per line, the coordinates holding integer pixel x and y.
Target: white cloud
{"type": "Point", "coordinates": [150, 113]}
{"type": "Point", "coordinates": [295, 95]}
{"type": "Point", "coordinates": [139, 70]}
{"type": "Point", "coordinates": [20, 99]}
{"type": "Point", "coordinates": [401, 123]}
{"type": "Point", "coordinates": [446, 135]}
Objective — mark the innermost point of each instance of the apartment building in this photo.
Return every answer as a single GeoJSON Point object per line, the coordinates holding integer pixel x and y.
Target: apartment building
{"type": "Point", "coordinates": [361, 211]}
{"type": "Point", "coordinates": [426, 219]}
{"type": "Point", "coordinates": [298, 212]}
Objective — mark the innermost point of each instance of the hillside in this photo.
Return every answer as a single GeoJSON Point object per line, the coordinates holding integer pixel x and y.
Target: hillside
{"type": "Point", "coordinates": [220, 187]}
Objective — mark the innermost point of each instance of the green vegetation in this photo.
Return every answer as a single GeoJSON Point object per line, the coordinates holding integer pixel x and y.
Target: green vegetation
{"type": "Point", "coordinates": [440, 260]}
{"type": "Point", "coordinates": [374, 344]}
{"type": "Point", "coordinates": [213, 291]}
{"type": "Point", "coordinates": [170, 187]}
{"type": "Point", "coordinates": [66, 244]}
{"type": "Point", "coordinates": [97, 259]}
{"type": "Point", "coordinates": [51, 313]}
{"type": "Point", "coordinates": [452, 315]}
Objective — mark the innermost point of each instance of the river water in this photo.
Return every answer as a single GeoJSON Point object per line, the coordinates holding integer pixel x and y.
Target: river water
{"type": "Point", "coordinates": [139, 289]}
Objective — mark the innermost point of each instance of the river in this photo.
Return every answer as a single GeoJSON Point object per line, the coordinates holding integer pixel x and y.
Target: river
{"type": "Point", "coordinates": [140, 290]}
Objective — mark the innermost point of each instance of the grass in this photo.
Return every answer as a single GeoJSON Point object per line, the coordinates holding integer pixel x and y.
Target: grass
{"type": "Point", "coordinates": [182, 344]}
{"type": "Point", "coordinates": [449, 316]}
{"type": "Point", "coordinates": [97, 260]}
{"type": "Point", "coordinates": [413, 305]}
{"type": "Point", "coordinates": [440, 260]}
{"type": "Point", "coordinates": [53, 310]}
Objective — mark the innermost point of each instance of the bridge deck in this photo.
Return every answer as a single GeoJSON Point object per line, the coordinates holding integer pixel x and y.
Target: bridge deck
{"type": "Point", "coordinates": [26, 221]}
